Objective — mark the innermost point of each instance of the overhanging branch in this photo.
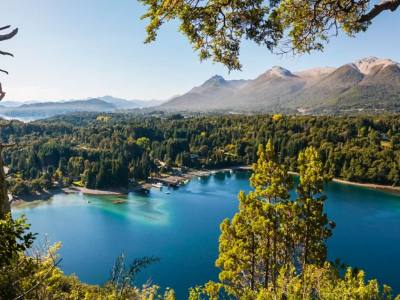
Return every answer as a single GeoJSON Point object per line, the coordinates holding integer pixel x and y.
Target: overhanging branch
{"type": "Point", "coordinates": [391, 5]}
{"type": "Point", "coordinates": [4, 37]}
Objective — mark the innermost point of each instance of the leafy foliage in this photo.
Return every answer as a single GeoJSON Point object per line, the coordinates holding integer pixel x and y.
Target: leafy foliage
{"type": "Point", "coordinates": [14, 237]}
{"type": "Point", "coordinates": [216, 28]}
{"type": "Point", "coordinates": [316, 282]}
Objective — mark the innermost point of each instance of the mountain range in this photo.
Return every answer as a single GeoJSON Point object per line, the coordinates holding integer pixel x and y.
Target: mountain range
{"type": "Point", "coordinates": [33, 110]}
{"type": "Point", "coordinates": [367, 84]}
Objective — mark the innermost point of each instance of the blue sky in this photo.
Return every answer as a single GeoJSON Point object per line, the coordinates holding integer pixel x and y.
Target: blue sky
{"type": "Point", "coordinates": [85, 48]}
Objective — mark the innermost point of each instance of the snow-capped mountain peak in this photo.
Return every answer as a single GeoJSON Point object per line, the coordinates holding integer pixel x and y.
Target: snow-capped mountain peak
{"type": "Point", "coordinates": [367, 65]}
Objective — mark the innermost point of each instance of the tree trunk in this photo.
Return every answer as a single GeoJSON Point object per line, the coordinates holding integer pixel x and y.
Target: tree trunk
{"type": "Point", "coordinates": [253, 263]}
{"type": "Point", "coordinates": [266, 279]}
{"type": "Point", "coordinates": [4, 202]}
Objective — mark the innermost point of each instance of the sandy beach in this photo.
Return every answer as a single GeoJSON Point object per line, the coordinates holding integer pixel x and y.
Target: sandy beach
{"type": "Point", "coordinates": [16, 201]}
{"type": "Point", "coordinates": [86, 191]}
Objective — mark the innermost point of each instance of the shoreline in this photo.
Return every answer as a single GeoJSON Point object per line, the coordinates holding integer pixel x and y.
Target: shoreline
{"type": "Point", "coordinates": [87, 191]}
{"type": "Point", "coordinates": [190, 174]}
{"type": "Point", "coordinates": [18, 201]}
{"type": "Point", "coordinates": [371, 186]}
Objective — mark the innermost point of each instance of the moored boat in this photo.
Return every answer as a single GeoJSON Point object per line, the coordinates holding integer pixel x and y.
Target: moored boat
{"type": "Point", "coordinates": [158, 185]}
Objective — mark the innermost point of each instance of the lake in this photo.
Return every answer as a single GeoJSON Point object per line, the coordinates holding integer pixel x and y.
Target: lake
{"type": "Point", "coordinates": [182, 229]}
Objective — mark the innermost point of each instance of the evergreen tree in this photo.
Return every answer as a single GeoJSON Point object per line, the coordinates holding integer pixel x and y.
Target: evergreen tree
{"type": "Point", "coordinates": [314, 226]}
{"type": "Point", "coordinates": [271, 233]}
{"type": "Point", "coordinates": [252, 245]}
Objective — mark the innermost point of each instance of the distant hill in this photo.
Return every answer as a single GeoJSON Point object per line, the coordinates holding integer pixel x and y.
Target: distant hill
{"type": "Point", "coordinates": [207, 96]}
{"type": "Point", "coordinates": [368, 84]}
{"type": "Point", "coordinates": [49, 109]}
{"type": "Point", "coordinates": [40, 110]}
{"type": "Point", "coordinates": [129, 104]}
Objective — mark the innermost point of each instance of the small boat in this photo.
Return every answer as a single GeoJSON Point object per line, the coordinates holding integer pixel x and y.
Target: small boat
{"type": "Point", "coordinates": [157, 185]}
{"type": "Point", "coordinates": [118, 201]}
{"type": "Point", "coordinates": [168, 192]}
{"type": "Point", "coordinates": [231, 171]}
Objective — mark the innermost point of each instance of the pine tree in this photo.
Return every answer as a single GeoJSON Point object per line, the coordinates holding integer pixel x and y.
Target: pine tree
{"type": "Point", "coordinates": [270, 232]}
{"type": "Point", "coordinates": [314, 226]}
{"type": "Point", "coordinates": [252, 245]}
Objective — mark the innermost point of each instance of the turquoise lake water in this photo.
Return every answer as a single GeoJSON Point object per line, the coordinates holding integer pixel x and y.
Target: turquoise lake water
{"type": "Point", "coordinates": [182, 229]}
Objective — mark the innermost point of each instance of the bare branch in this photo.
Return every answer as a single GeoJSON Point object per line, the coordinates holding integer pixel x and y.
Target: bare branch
{"type": "Point", "coordinates": [4, 37]}
{"type": "Point", "coordinates": [2, 94]}
{"type": "Point", "coordinates": [2, 146]}
{"type": "Point", "coordinates": [8, 36]}
{"type": "Point", "coordinates": [5, 27]}
{"type": "Point", "coordinates": [391, 5]}
{"type": "Point", "coordinates": [6, 53]}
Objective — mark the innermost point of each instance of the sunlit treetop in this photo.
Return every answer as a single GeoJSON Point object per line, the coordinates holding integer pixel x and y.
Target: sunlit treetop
{"type": "Point", "coordinates": [216, 28]}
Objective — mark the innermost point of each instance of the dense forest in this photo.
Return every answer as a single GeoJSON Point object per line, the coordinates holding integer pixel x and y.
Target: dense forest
{"type": "Point", "coordinates": [114, 150]}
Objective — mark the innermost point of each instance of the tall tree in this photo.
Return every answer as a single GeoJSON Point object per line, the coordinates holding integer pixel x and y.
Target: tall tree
{"type": "Point", "coordinates": [252, 245]}
{"type": "Point", "coordinates": [4, 202]}
{"type": "Point", "coordinates": [314, 226]}
{"type": "Point", "coordinates": [272, 236]}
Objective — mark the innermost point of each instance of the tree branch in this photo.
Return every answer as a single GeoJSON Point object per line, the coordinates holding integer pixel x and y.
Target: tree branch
{"type": "Point", "coordinates": [2, 94]}
{"type": "Point", "coordinates": [8, 36]}
{"type": "Point", "coordinates": [40, 281]}
{"type": "Point", "coordinates": [6, 53]}
{"type": "Point", "coordinates": [5, 27]}
{"type": "Point", "coordinates": [4, 146]}
{"type": "Point", "coordinates": [391, 5]}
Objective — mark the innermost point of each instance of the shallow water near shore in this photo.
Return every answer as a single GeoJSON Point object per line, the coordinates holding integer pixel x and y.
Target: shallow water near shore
{"type": "Point", "coordinates": [182, 229]}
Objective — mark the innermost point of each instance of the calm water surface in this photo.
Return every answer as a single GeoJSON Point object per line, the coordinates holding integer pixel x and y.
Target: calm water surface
{"type": "Point", "coordinates": [182, 229]}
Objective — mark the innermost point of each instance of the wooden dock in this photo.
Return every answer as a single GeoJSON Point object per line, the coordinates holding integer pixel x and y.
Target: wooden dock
{"type": "Point", "coordinates": [170, 180]}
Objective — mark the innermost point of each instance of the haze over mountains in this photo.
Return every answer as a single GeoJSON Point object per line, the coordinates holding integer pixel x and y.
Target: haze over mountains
{"type": "Point", "coordinates": [368, 84]}
{"type": "Point", "coordinates": [38, 110]}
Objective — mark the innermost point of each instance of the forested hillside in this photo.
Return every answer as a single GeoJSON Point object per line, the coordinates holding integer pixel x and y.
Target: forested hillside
{"type": "Point", "coordinates": [112, 150]}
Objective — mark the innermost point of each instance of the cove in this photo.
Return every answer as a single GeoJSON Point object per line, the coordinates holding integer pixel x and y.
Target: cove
{"type": "Point", "coordinates": [182, 229]}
